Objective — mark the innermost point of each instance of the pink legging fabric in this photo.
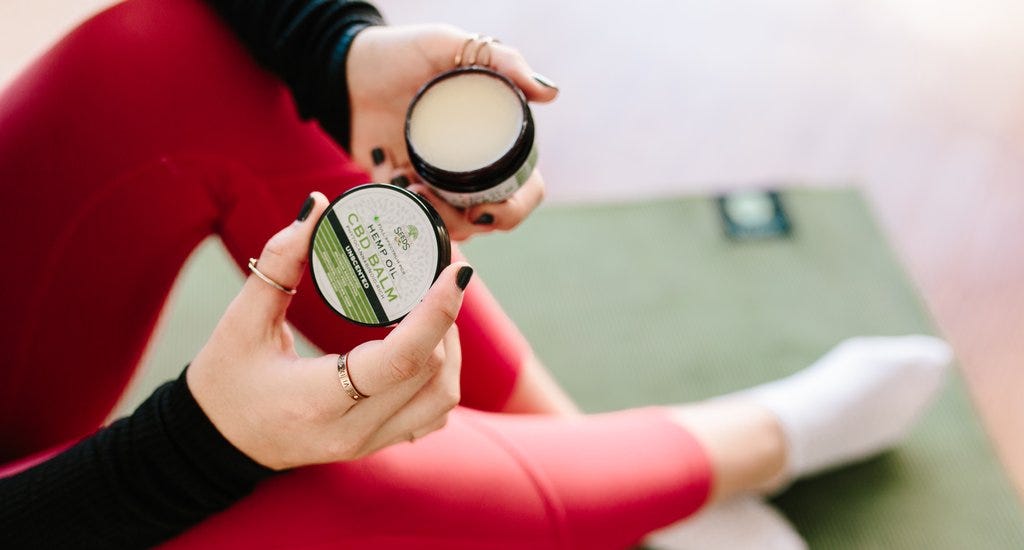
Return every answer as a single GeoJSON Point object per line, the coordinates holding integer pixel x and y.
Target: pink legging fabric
{"type": "Point", "coordinates": [149, 128]}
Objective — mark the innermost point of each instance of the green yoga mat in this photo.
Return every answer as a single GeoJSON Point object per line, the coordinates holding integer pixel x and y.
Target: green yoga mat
{"type": "Point", "coordinates": [648, 303]}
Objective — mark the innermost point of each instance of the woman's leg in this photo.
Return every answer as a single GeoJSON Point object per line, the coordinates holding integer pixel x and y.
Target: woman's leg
{"type": "Point", "coordinates": [138, 135]}
{"type": "Point", "coordinates": [120, 159]}
{"type": "Point", "coordinates": [500, 371]}
{"type": "Point", "coordinates": [522, 481]}
{"type": "Point", "coordinates": [602, 481]}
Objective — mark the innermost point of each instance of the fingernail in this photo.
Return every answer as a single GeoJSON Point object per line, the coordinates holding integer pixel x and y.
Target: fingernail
{"type": "Point", "coordinates": [463, 276]}
{"type": "Point", "coordinates": [400, 181]}
{"type": "Point", "coordinates": [378, 156]}
{"type": "Point", "coordinates": [545, 81]}
{"type": "Point", "coordinates": [484, 219]}
{"type": "Point", "coordinates": [307, 207]}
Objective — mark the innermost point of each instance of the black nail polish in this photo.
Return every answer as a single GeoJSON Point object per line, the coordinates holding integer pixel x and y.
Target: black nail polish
{"type": "Point", "coordinates": [378, 156]}
{"type": "Point", "coordinates": [545, 81]}
{"type": "Point", "coordinates": [400, 181]}
{"type": "Point", "coordinates": [307, 207]}
{"type": "Point", "coordinates": [463, 276]}
{"type": "Point", "coordinates": [484, 219]}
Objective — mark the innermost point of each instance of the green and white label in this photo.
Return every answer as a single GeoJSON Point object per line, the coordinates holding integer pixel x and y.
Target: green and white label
{"type": "Point", "coordinates": [496, 193]}
{"type": "Point", "coordinates": [374, 255]}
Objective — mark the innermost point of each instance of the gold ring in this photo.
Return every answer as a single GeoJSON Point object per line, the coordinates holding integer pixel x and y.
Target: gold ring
{"type": "Point", "coordinates": [346, 382]}
{"type": "Point", "coordinates": [482, 42]}
{"type": "Point", "coordinates": [268, 280]}
{"type": "Point", "coordinates": [462, 49]}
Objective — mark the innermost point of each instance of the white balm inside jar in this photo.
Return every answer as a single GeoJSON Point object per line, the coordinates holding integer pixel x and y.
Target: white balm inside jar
{"type": "Point", "coordinates": [470, 136]}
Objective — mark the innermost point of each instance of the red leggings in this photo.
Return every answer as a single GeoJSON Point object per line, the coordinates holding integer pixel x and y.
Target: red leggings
{"type": "Point", "coordinates": [148, 129]}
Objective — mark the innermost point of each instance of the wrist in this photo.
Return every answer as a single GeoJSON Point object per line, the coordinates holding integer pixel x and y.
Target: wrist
{"type": "Point", "coordinates": [229, 426]}
{"type": "Point", "coordinates": [198, 436]}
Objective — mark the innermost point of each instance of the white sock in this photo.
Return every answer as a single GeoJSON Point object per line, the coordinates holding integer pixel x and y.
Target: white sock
{"type": "Point", "coordinates": [858, 400]}
{"type": "Point", "coordinates": [742, 523]}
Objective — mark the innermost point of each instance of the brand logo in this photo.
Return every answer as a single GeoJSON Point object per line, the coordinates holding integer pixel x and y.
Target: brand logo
{"type": "Point", "coordinates": [405, 236]}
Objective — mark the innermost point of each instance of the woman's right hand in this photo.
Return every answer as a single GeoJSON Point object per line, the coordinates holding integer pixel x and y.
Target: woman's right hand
{"type": "Point", "coordinates": [386, 66]}
{"type": "Point", "coordinates": [285, 411]}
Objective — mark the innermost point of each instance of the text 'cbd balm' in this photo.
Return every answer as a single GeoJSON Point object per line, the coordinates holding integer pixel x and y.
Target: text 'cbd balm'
{"type": "Point", "coordinates": [375, 252]}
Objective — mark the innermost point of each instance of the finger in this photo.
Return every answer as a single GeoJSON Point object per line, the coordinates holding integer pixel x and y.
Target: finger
{"type": "Point", "coordinates": [427, 409]}
{"type": "Point", "coordinates": [438, 423]}
{"type": "Point", "coordinates": [371, 423]}
{"type": "Point", "coordinates": [424, 413]}
{"type": "Point", "coordinates": [508, 214]}
{"type": "Point", "coordinates": [455, 220]}
{"type": "Point", "coordinates": [453, 349]}
{"type": "Point", "coordinates": [510, 62]}
{"type": "Point", "coordinates": [413, 341]}
{"type": "Point", "coordinates": [393, 370]}
{"type": "Point", "coordinates": [452, 367]}
{"type": "Point", "coordinates": [376, 444]}
{"type": "Point", "coordinates": [401, 178]}
{"type": "Point", "coordinates": [317, 382]}
{"type": "Point", "coordinates": [283, 261]}
{"type": "Point", "coordinates": [387, 169]}
{"type": "Point", "coordinates": [382, 164]}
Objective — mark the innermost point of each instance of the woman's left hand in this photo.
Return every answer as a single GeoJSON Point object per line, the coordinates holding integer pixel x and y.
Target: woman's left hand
{"type": "Point", "coordinates": [386, 67]}
{"type": "Point", "coordinates": [283, 410]}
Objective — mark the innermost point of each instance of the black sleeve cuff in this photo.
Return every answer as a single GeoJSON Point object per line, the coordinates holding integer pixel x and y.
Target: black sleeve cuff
{"type": "Point", "coordinates": [138, 482]}
{"type": "Point", "coordinates": [199, 442]}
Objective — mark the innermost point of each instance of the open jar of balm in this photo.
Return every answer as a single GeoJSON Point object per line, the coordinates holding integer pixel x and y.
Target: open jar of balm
{"type": "Point", "coordinates": [470, 136]}
{"type": "Point", "coordinates": [375, 252]}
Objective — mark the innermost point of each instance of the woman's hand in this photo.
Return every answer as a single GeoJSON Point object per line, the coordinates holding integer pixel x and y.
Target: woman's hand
{"type": "Point", "coordinates": [386, 67]}
{"type": "Point", "coordinates": [283, 410]}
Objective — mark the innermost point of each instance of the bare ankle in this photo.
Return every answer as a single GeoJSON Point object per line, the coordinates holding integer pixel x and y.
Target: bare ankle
{"type": "Point", "coordinates": [744, 441]}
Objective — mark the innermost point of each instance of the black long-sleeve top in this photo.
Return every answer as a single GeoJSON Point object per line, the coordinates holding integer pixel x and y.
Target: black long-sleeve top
{"type": "Point", "coordinates": [152, 475]}
{"type": "Point", "coordinates": [305, 43]}
{"type": "Point", "coordinates": [140, 481]}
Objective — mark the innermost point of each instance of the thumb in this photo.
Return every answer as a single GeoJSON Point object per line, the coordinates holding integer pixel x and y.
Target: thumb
{"type": "Point", "coordinates": [536, 86]}
{"type": "Point", "coordinates": [283, 261]}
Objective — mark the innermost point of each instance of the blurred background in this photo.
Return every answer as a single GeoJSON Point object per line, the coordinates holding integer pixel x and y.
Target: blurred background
{"type": "Point", "coordinates": [919, 103]}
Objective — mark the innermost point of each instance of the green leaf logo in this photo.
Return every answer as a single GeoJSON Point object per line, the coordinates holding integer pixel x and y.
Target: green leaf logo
{"type": "Point", "coordinates": [413, 232]}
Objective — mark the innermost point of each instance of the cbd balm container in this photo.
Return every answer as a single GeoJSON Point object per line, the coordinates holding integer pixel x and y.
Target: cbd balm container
{"type": "Point", "coordinates": [470, 136]}
{"type": "Point", "coordinates": [375, 252]}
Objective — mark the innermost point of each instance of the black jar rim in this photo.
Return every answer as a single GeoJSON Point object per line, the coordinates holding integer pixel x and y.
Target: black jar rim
{"type": "Point", "coordinates": [485, 177]}
{"type": "Point", "coordinates": [444, 244]}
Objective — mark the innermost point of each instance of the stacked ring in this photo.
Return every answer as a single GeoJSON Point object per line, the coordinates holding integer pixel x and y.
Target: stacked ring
{"type": "Point", "coordinates": [481, 43]}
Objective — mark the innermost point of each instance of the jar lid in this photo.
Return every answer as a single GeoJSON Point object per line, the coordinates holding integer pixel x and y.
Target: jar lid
{"type": "Point", "coordinates": [484, 177]}
{"type": "Point", "coordinates": [375, 252]}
